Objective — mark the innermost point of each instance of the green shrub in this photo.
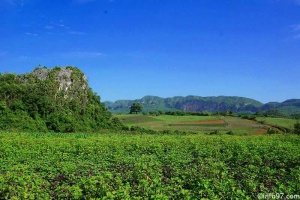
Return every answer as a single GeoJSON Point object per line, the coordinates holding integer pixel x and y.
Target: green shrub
{"type": "Point", "coordinates": [272, 131]}
{"type": "Point", "coordinates": [297, 128]}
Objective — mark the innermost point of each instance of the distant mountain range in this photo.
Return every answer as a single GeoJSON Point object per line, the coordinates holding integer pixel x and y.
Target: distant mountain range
{"type": "Point", "coordinates": [209, 104]}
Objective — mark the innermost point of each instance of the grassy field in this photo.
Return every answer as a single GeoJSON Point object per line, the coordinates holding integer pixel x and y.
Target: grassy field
{"type": "Point", "coordinates": [128, 166]}
{"type": "Point", "coordinates": [200, 124]}
{"type": "Point", "coordinates": [284, 122]}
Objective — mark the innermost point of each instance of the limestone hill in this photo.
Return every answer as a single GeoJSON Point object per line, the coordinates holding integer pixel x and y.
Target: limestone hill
{"type": "Point", "coordinates": [57, 99]}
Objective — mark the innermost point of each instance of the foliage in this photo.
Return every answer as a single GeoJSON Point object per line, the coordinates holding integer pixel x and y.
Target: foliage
{"type": "Point", "coordinates": [55, 99]}
{"type": "Point", "coordinates": [116, 166]}
{"type": "Point", "coordinates": [249, 117]}
{"type": "Point", "coordinates": [272, 131]}
{"type": "Point", "coordinates": [295, 116]}
{"type": "Point", "coordinates": [136, 108]}
{"type": "Point", "coordinates": [230, 133]}
{"type": "Point", "coordinates": [215, 132]}
{"type": "Point", "coordinates": [297, 128]}
{"type": "Point", "coordinates": [274, 113]}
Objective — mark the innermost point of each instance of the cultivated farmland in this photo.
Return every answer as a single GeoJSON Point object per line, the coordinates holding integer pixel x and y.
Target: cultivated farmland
{"type": "Point", "coordinates": [142, 166]}
{"type": "Point", "coordinates": [198, 124]}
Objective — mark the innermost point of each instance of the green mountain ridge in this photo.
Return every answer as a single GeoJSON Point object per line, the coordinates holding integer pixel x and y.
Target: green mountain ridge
{"type": "Point", "coordinates": [194, 103]}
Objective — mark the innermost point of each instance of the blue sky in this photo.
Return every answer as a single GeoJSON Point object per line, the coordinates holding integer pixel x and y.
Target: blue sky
{"type": "Point", "coordinates": [133, 48]}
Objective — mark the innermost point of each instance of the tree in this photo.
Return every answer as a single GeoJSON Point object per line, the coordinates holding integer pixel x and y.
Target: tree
{"type": "Point", "coordinates": [297, 128]}
{"type": "Point", "coordinates": [136, 108]}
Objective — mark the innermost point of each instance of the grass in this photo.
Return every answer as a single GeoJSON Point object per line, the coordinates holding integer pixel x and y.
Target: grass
{"type": "Point", "coordinates": [283, 122]}
{"type": "Point", "coordinates": [136, 119]}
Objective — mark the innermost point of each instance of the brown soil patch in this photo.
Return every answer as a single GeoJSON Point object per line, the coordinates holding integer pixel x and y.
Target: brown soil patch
{"type": "Point", "coordinates": [203, 122]}
{"type": "Point", "coordinates": [259, 132]}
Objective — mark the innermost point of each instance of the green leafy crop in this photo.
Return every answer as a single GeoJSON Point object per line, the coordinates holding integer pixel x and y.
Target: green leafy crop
{"type": "Point", "coordinates": [116, 166]}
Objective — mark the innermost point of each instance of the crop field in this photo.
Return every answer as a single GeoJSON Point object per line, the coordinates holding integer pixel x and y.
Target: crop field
{"type": "Point", "coordinates": [143, 166]}
{"type": "Point", "coordinates": [199, 124]}
{"type": "Point", "coordinates": [202, 123]}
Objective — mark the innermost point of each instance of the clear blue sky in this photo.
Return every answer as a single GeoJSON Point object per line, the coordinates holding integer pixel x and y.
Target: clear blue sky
{"type": "Point", "coordinates": [133, 48]}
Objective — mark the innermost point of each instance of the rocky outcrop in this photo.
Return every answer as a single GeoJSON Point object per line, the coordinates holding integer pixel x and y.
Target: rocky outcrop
{"type": "Point", "coordinates": [70, 80]}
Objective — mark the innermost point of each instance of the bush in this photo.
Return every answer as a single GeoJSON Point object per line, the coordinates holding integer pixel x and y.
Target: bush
{"type": "Point", "coordinates": [215, 132]}
{"type": "Point", "coordinates": [272, 131]}
{"type": "Point", "coordinates": [230, 133]}
{"type": "Point", "coordinates": [250, 117]}
{"type": "Point", "coordinates": [297, 128]}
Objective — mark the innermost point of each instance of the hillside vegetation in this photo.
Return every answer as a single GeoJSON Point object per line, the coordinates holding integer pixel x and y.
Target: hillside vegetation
{"type": "Point", "coordinates": [57, 99]}
{"type": "Point", "coordinates": [287, 108]}
{"type": "Point", "coordinates": [189, 103]}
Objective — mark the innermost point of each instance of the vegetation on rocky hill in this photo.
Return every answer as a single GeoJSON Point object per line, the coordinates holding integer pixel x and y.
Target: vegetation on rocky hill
{"type": "Point", "coordinates": [56, 99]}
